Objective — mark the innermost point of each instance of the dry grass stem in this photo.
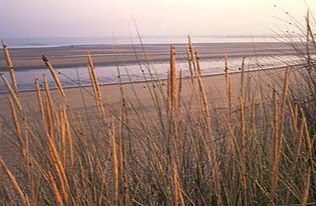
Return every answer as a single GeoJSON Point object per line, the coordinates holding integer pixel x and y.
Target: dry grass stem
{"type": "Point", "coordinates": [96, 86]}
{"type": "Point", "coordinates": [17, 126]}
{"type": "Point", "coordinates": [13, 94]}
{"type": "Point", "coordinates": [54, 75]}
{"type": "Point", "coordinates": [115, 167]}
{"type": "Point", "coordinates": [59, 200]}
{"type": "Point", "coordinates": [173, 78]}
{"type": "Point", "coordinates": [24, 198]}
{"type": "Point", "coordinates": [10, 65]}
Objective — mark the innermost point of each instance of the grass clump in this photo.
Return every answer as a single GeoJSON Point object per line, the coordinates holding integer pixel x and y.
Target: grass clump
{"type": "Point", "coordinates": [257, 149]}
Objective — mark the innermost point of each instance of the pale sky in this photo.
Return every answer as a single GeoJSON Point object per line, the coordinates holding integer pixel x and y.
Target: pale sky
{"type": "Point", "coordinates": [97, 18]}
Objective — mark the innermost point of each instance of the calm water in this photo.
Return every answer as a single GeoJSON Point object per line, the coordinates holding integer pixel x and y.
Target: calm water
{"type": "Point", "coordinates": [71, 77]}
{"type": "Point", "coordinates": [56, 42]}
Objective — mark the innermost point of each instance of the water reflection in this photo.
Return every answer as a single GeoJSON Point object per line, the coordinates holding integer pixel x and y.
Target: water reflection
{"type": "Point", "coordinates": [72, 77]}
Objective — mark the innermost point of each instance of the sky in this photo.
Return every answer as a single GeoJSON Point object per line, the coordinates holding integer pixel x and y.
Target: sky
{"type": "Point", "coordinates": [98, 18]}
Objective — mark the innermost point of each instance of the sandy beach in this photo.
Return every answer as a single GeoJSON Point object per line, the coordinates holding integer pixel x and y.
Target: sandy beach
{"type": "Point", "coordinates": [81, 99]}
{"type": "Point", "coordinates": [214, 85]}
{"type": "Point", "coordinates": [83, 104]}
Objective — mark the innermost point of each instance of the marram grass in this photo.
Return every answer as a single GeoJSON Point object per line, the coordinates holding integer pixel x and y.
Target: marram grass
{"type": "Point", "coordinates": [257, 149]}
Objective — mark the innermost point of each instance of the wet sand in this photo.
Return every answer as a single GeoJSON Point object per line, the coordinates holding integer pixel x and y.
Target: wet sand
{"type": "Point", "coordinates": [105, 55]}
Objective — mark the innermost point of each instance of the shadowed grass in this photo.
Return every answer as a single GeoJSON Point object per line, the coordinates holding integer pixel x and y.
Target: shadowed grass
{"type": "Point", "coordinates": [256, 149]}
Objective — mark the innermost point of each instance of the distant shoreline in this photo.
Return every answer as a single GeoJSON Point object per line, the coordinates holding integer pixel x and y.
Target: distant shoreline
{"type": "Point", "coordinates": [37, 42]}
